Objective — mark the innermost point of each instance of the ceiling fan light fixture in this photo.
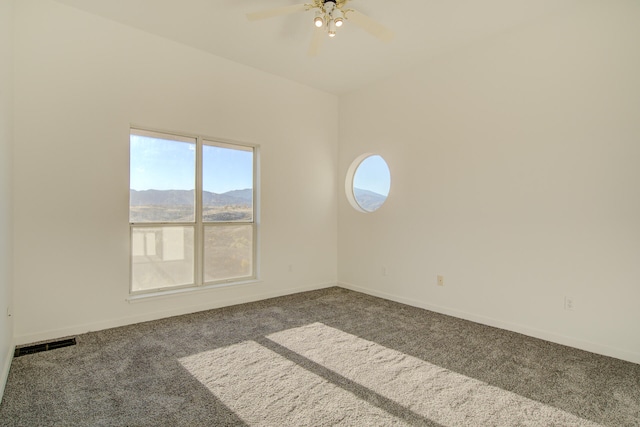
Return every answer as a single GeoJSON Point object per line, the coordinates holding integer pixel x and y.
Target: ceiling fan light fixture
{"type": "Point", "coordinates": [338, 18]}
{"type": "Point", "coordinates": [329, 15]}
{"type": "Point", "coordinates": [332, 28]}
{"type": "Point", "coordinates": [318, 21]}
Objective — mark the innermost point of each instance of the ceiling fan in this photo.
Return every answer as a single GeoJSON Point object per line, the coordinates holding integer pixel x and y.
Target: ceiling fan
{"type": "Point", "coordinates": [329, 16]}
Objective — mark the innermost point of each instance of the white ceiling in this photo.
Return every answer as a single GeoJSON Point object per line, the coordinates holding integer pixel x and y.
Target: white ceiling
{"type": "Point", "coordinates": [354, 58]}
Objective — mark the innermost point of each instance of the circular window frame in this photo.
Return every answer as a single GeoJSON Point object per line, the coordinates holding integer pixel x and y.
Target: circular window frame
{"type": "Point", "coordinates": [348, 182]}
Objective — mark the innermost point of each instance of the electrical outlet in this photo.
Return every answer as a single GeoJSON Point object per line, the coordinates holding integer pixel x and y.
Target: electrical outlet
{"type": "Point", "coordinates": [569, 304]}
{"type": "Point", "coordinates": [440, 280]}
{"type": "Point", "coordinates": [9, 311]}
{"type": "Point", "coordinates": [290, 268]}
{"type": "Point", "coordinates": [384, 271]}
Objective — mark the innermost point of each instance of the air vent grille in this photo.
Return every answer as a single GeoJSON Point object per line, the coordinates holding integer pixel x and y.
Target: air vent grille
{"type": "Point", "coordinates": [37, 348]}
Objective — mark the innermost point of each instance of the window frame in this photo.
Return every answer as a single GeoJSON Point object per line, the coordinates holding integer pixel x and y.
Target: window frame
{"type": "Point", "coordinates": [198, 224]}
{"type": "Point", "coordinates": [349, 186]}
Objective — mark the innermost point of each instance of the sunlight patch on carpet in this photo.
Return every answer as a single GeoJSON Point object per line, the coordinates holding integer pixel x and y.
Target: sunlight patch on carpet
{"type": "Point", "coordinates": [264, 388]}
{"type": "Point", "coordinates": [446, 397]}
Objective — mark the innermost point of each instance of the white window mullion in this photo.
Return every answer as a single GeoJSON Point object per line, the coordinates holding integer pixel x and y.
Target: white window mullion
{"type": "Point", "coordinates": [256, 211]}
{"type": "Point", "coordinates": [199, 241]}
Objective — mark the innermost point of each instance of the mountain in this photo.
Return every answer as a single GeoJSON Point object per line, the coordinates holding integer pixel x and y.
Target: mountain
{"type": "Point", "coordinates": [161, 198]}
{"type": "Point", "coordinates": [233, 197]}
{"type": "Point", "coordinates": [368, 200]}
{"type": "Point", "coordinates": [186, 198]}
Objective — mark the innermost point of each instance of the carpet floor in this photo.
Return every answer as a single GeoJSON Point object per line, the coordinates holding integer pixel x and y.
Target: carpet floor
{"type": "Point", "coordinates": [321, 358]}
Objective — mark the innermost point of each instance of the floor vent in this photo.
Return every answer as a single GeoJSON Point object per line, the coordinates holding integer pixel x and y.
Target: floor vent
{"type": "Point", "coordinates": [37, 348]}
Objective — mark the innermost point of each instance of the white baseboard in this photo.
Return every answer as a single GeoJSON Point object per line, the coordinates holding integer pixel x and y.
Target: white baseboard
{"type": "Point", "coordinates": [4, 374]}
{"type": "Point", "coordinates": [114, 323]}
{"type": "Point", "coordinates": [513, 327]}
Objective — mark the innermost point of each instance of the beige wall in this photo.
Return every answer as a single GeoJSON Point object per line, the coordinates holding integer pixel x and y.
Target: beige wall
{"type": "Point", "coordinates": [515, 175]}
{"type": "Point", "coordinates": [6, 143]}
{"type": "Point", "coordinates": [80, 82]}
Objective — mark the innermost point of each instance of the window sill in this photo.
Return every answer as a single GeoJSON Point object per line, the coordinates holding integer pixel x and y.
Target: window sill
{"type": "Point", "coordinates": [181, 291]}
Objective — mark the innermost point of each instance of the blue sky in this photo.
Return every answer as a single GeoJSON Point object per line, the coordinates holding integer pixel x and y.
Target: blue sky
{"type": "Point", "coordinates": [373, 175]}
{"type": "Point", "coordinates": [158, 164]}
{"type": "Point", "coordinates": [226, 169]}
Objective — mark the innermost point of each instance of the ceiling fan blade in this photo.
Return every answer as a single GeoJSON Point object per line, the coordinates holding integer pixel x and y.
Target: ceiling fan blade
{"type": "Point", "coordinates": [319, 34]}
{"type": "Point", "coordinates": [270, 13]}
{"type": "Point", "coordinates": [374, 28]}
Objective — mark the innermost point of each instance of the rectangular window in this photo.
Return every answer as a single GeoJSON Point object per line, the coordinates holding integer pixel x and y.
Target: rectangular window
{"type": "Point", "coordinates": [191, 211]}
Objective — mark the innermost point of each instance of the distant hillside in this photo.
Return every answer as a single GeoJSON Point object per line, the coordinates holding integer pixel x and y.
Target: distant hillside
{"type": "Point", "coordinates": [233, 197]}
{"type": "Point", "coordinates": [368, 200]}
{"type": "Point", "coordinates": [186, 198]}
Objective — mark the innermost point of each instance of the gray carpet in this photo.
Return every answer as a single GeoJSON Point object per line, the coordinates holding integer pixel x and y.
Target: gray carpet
{"type": "Point", "coordinates": [322, 358]}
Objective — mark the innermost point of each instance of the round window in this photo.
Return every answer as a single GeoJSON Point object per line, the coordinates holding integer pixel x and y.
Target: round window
{"type": "Point", "coordinates": [368, 182]}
